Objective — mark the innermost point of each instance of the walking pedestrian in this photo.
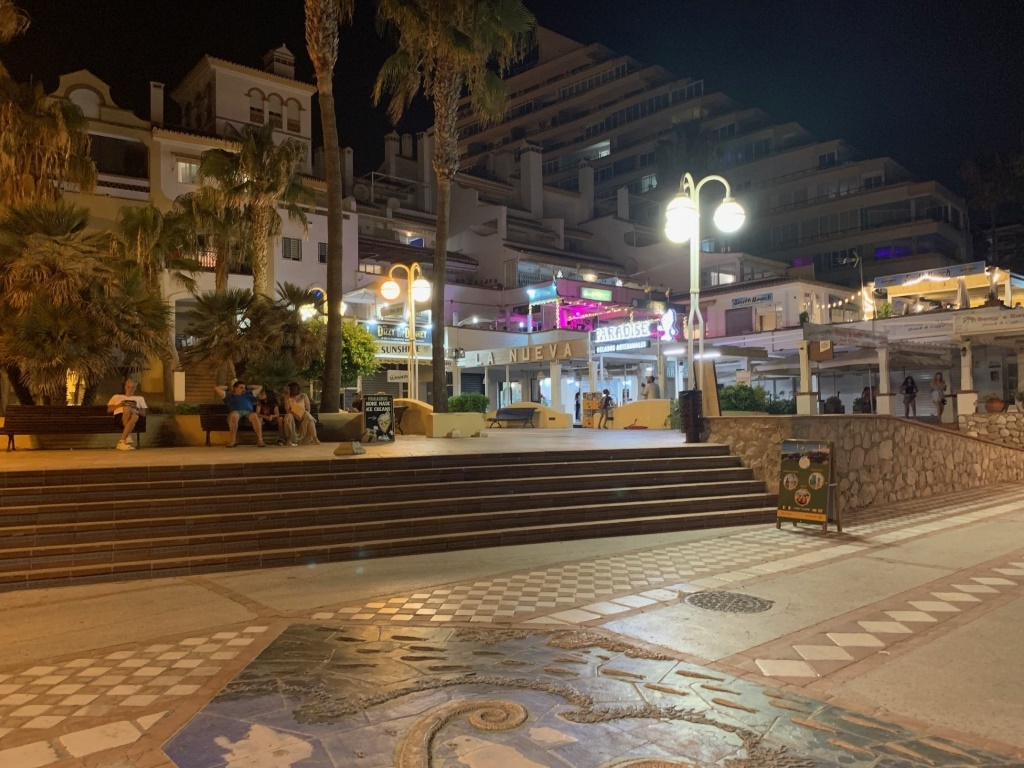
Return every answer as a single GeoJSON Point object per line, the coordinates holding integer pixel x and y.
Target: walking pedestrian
{"type": "Point", "coordinates": [909, 391]}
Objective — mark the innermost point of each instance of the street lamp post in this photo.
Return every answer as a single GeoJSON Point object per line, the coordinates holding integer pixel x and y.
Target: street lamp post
{"type": "Point", "coordinates": [682, 223]}
{"type": "Point", "coordinates": [417, 289]}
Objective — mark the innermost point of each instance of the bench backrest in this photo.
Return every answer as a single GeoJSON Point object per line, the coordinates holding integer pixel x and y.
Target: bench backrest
{"type": "Point", "coordinates": [515, 413]}
{"type": "Point", "coordinates": [24, 419]}
{"type": "Point", "coordinates": [213, 417]}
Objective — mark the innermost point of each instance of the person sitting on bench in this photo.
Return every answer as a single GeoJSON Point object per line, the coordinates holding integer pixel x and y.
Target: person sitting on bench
{"type": "Point", "coordinates": [127, 409]}
{"type": "Point", "coordinates": [241, 403]}
{"type": "Point", "coordinates": [299, 424]}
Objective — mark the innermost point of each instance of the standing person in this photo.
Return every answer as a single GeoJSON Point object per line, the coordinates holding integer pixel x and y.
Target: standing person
{"type": "Point", "coordinates": [270, 413]}
{"type": "Point", "coordinates": [939, 394]}
{"type": "Point", "coordinates": [241, 404]}
{"type": "Point", "coordinates": [653, 391]}
{"type": "Point", "coordinates": [127, 410]}
{"type": "Point", "coordinates": [578, 410]}
{"type": "Point", "coordinates": [909, 391]}
{"type": "Point", "coordinates": [606, 409]}
{"type": "Point", "coordinates": [299, 422]}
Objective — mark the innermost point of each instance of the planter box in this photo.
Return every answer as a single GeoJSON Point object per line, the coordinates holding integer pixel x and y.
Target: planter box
{"type": "Point", "coordinates": [440, 424]}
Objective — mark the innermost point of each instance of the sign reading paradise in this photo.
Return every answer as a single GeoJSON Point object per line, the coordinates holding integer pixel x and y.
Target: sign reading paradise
{"type": "Point", "coordinates": [379, 414]}
{"type": "Point", "coordinates": [806, 490]}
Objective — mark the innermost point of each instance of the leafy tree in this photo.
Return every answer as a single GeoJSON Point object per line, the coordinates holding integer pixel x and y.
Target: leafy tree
{"type": "Point", "coordinates": [323, 20]}
{"type": "Point", "coordinates": [992, 185]}
{"type": "Point", "coordinates": [740, 397]}
{"type": "Point", "coordinates": [147, 239]}
{"type": "Point", "coordinates": [443, 48]}
{"type": "Point", "coordinates": [13, 22]}
{"type": "Point", "coordinates": [688, 149]}
{"type": "Point", "coordinates": [70, 306]}
{"type": "Point", "coordinates": [208, 221]}
{"type": "Point", "coordinates": [256, 180]}
{"type": "Point", "coordinates": [44, 145]}
{"type": "Point", "coordinates": [358, 355]}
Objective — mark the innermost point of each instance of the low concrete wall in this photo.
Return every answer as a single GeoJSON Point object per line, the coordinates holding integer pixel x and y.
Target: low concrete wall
{"type": "Point", "coordinates": [652, 414]}
{"type": "Point", "coordinates": [879, 459]}
{"type": "Point", "coordinates": [1005, 428]}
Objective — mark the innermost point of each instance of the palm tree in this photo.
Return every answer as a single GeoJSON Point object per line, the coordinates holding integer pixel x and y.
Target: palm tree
{"type": "Point", "coordinates": [323, 20]}
{"type": "Point", "coordinates": [231, 329]}
{"type": "Point", "coordinates": [44, 145]}
{"type": "Point", "coordinates": [152, 242]}
{"type": "Point", "coordinates": [13, 22]}
{"type": "Point", "coordinates": [991, 185]}
{"type": "Point", "coordinates": [257, 179]}
{"type": "Point", "coordinates": [70, 305]}
{"type": "Point", "coordinates": [303, 339]}
{"type": "Point", "coordinates": [207, 219]}
{"type": "Point", "coordinates": [445, 47]}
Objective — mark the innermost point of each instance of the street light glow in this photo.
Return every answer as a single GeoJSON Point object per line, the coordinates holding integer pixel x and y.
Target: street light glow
{"type": "Point", "coordinates": [730, 215]}
{"type": "Point", "coordinates": [420, 289]}
{"type": "Point", "coordinates": [681, 218]}
{"type": "Point", "coordinates": [390, 290]}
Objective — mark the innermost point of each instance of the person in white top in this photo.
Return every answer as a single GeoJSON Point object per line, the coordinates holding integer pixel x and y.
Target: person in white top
{"type": "Point", "coordinates": [939, 394]}
{"type": "Point", "coordinates": [127, 409]}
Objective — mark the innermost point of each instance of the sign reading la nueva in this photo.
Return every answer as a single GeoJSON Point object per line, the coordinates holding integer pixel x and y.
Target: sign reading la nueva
{"type": "Point", "coordinates": [575, 349]}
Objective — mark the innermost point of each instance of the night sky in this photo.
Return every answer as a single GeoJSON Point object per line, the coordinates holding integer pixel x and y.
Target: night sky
{"type": "Point", "coordinates": [928, 83]}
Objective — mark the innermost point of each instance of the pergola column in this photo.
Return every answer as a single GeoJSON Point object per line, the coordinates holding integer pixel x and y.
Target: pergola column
{"type": "Point", "coordinates": [556, 386]}
{"type": "Point", "coordinates": [886, 397]}
{"type": "Point", "coordinates": [806, 400]}
{"type": "Point", "coordinates": [967, 396]}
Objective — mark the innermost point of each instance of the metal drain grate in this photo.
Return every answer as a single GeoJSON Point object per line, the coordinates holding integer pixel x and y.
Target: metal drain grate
{"type": "Point", "coordinates": [728, 602]}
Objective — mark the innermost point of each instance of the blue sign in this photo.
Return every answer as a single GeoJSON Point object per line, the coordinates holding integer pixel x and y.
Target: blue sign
{"type": "Point", "coordinates": [542, 294]}
{"type": "Point", "coordinates": [942, 273]}
{"type": "Point", "coordinates": [397, 331]}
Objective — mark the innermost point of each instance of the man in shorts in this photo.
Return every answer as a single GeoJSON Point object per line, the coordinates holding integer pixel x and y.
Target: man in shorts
{"type": "Point", "coordinates": [241, 404]}
{"type": "Point", "coordinates": [127, 410]}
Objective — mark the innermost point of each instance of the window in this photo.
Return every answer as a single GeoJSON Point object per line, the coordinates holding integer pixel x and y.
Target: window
{"type": "Point", "coordinates": [648, 182]}
{"type": "Point", "coordinates": [371, 269]}
{"type": "Point", "coordinates": [322, 252]}
{"type": "Point", "coordinates": [647, 158]}
{"type": "Point", "coordinates": [827, 160]}
{"type": "Point", "coordinates": [187, 170]}
{"type": "Point", "coordinates": [873, 182]}
{"type": "Point", "coordinates": [294, 122]}
{"type": "Point", "coordinates": [256, 107]}
{"type": "Point", "coordinates": [291, 248]}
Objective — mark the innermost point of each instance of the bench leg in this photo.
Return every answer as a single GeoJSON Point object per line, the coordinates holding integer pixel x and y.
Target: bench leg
{"type": "Point", "coordinates": [10, 443]}
{"type": "Point", "coordinates": [207, 438]}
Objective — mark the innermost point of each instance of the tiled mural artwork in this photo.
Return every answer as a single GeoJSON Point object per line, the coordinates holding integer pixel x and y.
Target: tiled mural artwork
{"type": "Point", "coordinates": [446, 697]}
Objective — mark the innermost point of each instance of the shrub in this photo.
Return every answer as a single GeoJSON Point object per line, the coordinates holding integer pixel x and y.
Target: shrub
{"type": "Point", "coordinates": [472, 402]}
{"type": "Point", "coordinates": [187, 409]}
{"type": "Point", "coordinates": [673, 421]}
{"type": "Point", "coordinates": [782, 407]}
{"type": "Point", "coordinates": [834, 405]}
{"type": "Point", "coordinates": [740, 397]}
{"type": "Point", "coordinates": [884, 310]}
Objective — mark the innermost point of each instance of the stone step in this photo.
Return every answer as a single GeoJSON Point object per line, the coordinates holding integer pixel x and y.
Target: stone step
{"type": "Point", "coordinates": [94, 507]}
{"type": "Point", "coordinates": [102, 526]}
{"type": "Point", "coordinates": [61, 575]}
{"type": "Point", "coordinates": [76, 478]}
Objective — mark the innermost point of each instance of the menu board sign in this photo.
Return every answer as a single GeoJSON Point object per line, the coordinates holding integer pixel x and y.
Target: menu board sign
{"type": "Point", "coordinates": [806, 490]}
{"type": "Point", "coordinates": [379, 412]}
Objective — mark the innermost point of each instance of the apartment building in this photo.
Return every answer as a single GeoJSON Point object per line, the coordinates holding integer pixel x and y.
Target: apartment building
{"type": "Point", "coordinates": [814, 205]}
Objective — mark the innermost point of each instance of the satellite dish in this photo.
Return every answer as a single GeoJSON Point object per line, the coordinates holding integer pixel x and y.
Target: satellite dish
{"type": "Point", "coordinates": [362, 193]}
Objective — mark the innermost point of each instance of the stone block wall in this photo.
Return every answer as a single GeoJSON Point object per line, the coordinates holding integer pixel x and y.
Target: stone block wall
{"type": "Point", "coordinates": [1005, 428]}
{"type": "Point", "coordinates": [879, 459]}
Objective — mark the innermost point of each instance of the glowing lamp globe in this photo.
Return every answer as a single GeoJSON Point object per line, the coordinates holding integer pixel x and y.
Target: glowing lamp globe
{"type": "Point", "coordinates": [730, 215]}
{"type": "Point", "coordinates": [681, 219]}
{"type": "Point", "coordinates": [420, 289]}
{"type": "Point", "coordinates": [390, 290]}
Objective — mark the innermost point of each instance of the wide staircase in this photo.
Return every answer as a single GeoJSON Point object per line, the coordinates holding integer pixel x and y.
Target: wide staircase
{"type": "Point", "coordinates": [81, 526]}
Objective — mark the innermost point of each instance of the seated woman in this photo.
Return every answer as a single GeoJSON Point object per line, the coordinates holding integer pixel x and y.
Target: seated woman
{"type": "Point", "coordinates": [270, 413]}
{"type": "Point", "coordinates": [299, 424]}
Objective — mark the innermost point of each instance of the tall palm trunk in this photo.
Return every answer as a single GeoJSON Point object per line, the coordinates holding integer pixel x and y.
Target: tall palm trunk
{"type": "Point", "coordinates": [23, 393]}
{"type": "Point", "coordinates": [323, 51]}
{"type": "Point", "coordinates": [260, 247]}
{"type": "Point", "coordinates": [447, 89]}
{"type": "Point", "coordinates": [220, 266]}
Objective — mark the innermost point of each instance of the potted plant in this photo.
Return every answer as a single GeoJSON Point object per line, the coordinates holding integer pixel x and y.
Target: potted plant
{"type": "Point", "coordinates": [994, 403]}
{"type": "Point", "coordinates": [834, 405]}
{"type": "Point", "coordinates": [860, 405]}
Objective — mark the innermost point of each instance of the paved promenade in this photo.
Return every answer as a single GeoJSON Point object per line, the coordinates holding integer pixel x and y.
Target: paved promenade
{"type": "Point", "coordinates": [897, 643]}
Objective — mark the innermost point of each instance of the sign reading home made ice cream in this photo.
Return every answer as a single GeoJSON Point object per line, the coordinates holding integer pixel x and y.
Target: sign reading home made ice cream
{"type": "Point", "coordinates": [379, 412]}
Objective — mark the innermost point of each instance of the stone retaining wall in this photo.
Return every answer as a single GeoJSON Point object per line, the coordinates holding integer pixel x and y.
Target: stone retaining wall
{"type": "Point", "coordinates": [879, 459]}
{"type": "Point", "coordinates": [1005, 428]}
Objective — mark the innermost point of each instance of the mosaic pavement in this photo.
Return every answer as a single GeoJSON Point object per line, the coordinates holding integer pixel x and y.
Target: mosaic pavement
{"type": "Point", "coordinates": [413, 697]}
{"type": "Point", "coordinates": [77, 707]}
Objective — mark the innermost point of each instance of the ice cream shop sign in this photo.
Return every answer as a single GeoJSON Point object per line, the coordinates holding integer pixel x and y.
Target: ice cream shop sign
{"type": "Point", "coordinates": [538, 353]}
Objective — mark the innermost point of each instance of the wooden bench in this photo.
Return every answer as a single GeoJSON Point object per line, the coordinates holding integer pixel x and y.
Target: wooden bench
{"type": "Point", "coordinates": [522, 416]}
{"type": "Point", "coordinates": [213, 417]}
{"type": "Point", "coordinates": [63, 420]}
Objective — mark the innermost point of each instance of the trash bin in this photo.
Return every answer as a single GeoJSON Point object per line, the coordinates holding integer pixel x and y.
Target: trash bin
{"type": "Point", "coordinates": [690, 414]}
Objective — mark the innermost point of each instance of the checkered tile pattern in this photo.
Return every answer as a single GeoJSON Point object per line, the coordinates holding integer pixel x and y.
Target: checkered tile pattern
{"type": "Point", "coordinates": [843, 641]}
{"type": "Point", "coordinates": [44, 696]}
{"type": "Point", "coordinates": [589, 591]}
